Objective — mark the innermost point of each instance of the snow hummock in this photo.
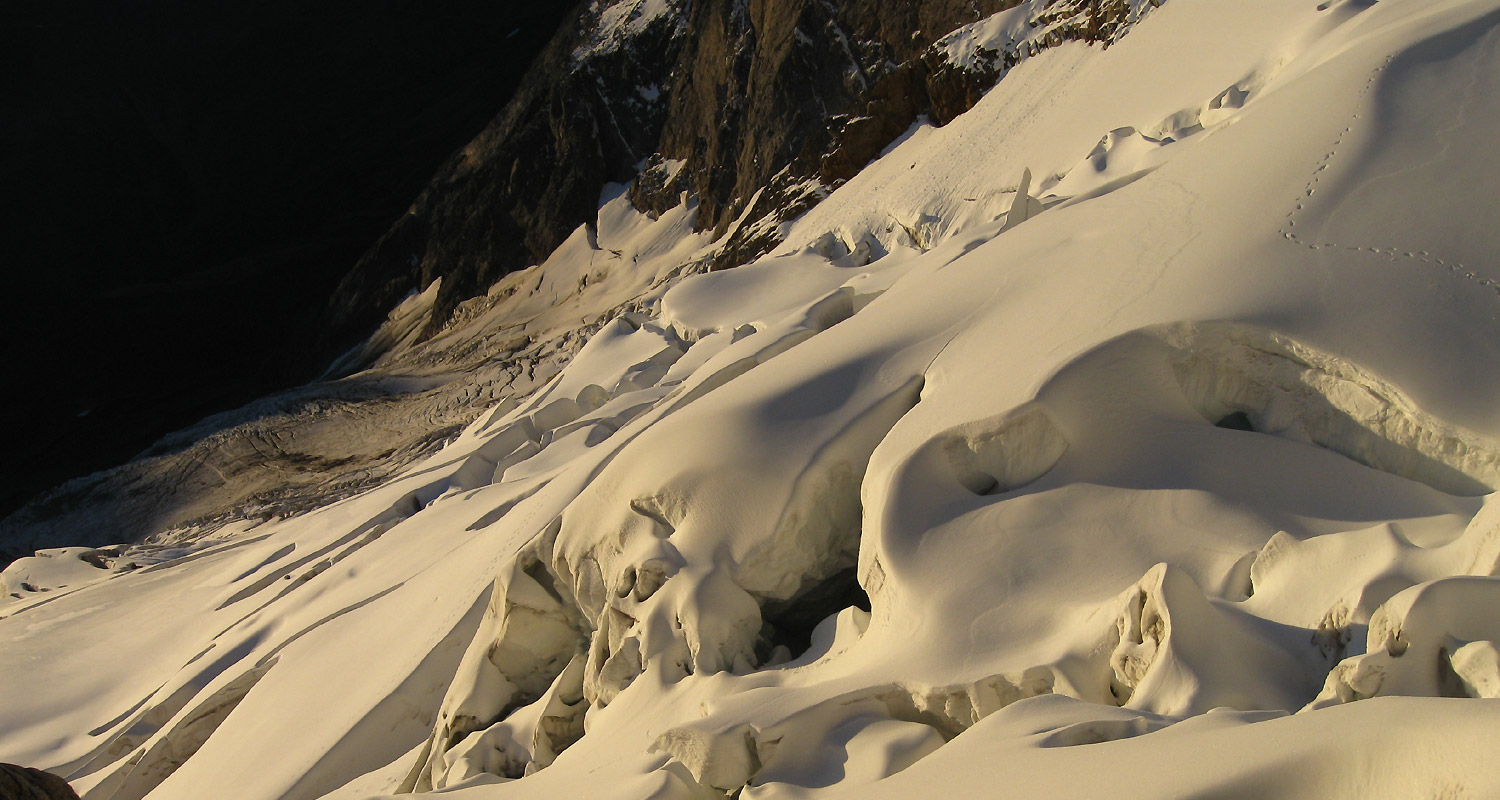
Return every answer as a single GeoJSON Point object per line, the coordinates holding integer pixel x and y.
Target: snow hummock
{"type": "Point", "coordinates": [1182, 488]}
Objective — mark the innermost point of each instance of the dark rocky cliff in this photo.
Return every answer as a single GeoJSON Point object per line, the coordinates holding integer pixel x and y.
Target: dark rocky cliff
{"type": "Point", "coordinates": [510, 196]}
{"type": "Point", "coordinates": [759, 106]}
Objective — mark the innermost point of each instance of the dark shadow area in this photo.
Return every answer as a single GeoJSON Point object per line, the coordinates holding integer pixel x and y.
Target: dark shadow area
{"type": "Point", "coordinates": [182, 184]}
{"type": "Point", "coordinates": [1235, 421]}
{"type": "Point", "coordinates": [27, 782]}
{"type": "Point", "coordinates": [790, 623]}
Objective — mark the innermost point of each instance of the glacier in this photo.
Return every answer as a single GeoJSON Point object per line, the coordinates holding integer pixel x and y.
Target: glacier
{"type": "Point", "coordinates": [1182, 488]}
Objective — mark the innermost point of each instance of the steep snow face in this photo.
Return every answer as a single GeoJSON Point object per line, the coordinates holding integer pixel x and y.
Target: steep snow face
{"type": "Point", "coordinates": [1142, 415]}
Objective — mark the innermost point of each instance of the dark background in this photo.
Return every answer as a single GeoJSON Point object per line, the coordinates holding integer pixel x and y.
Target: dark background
{"type": "Point", "coordinates": [183, 183]}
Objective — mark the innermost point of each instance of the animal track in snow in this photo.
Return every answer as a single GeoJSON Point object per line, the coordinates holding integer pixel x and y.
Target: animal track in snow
{"type": "Point", "coordinates": [1396, 253]}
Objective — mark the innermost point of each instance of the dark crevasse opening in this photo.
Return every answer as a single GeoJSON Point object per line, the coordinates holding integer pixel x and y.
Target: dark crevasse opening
{"type": "Point", "coordinates": [790, 623]}
{"type": "Point", "coordinates": [1235, 421]}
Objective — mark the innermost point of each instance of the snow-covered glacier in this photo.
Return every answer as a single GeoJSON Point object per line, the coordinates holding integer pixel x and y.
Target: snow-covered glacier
{"type": "Point", "coordinates": [1134, 434]}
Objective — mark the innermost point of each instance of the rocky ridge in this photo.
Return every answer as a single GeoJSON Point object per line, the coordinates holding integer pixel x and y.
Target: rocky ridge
{"type": "Point", "coordinates": [757, 110]}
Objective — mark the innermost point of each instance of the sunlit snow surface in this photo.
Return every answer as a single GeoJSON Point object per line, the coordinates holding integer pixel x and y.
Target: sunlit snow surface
{"type": "Point", "coordinates": [1270, 215]}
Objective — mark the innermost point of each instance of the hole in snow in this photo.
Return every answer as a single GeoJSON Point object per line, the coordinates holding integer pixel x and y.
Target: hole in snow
{"type": "Point", "coordinates": [1235, 421]}
{"type": "Point", "coordinates": [789, 624]}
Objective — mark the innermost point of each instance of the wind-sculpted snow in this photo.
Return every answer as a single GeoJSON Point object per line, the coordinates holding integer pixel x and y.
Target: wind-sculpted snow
{"type": "Point", "coordinates": [1131, 435]}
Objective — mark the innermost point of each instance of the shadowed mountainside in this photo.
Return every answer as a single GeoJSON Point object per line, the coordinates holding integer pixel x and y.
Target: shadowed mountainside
{"type": "Point", "coordinates": [185, 183]}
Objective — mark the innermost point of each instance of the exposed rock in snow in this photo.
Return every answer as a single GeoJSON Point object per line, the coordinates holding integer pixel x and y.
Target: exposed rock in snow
{"type": "Point", "coordinates": [23, 783]}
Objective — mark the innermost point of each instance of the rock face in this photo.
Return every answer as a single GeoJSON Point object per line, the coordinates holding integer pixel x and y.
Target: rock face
{"type": "Point", "coordinates": [587, 112]}
{"type": "Point", "coordinates": [755, 108]}
{"type": "Point", "coordinates": [25, 783]}
{"type": "Point", "coordinates": [766, 87]}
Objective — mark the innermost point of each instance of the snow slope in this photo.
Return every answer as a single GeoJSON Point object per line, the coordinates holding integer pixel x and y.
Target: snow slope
{"type": "Point", "coordinates": [1179, 487]}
